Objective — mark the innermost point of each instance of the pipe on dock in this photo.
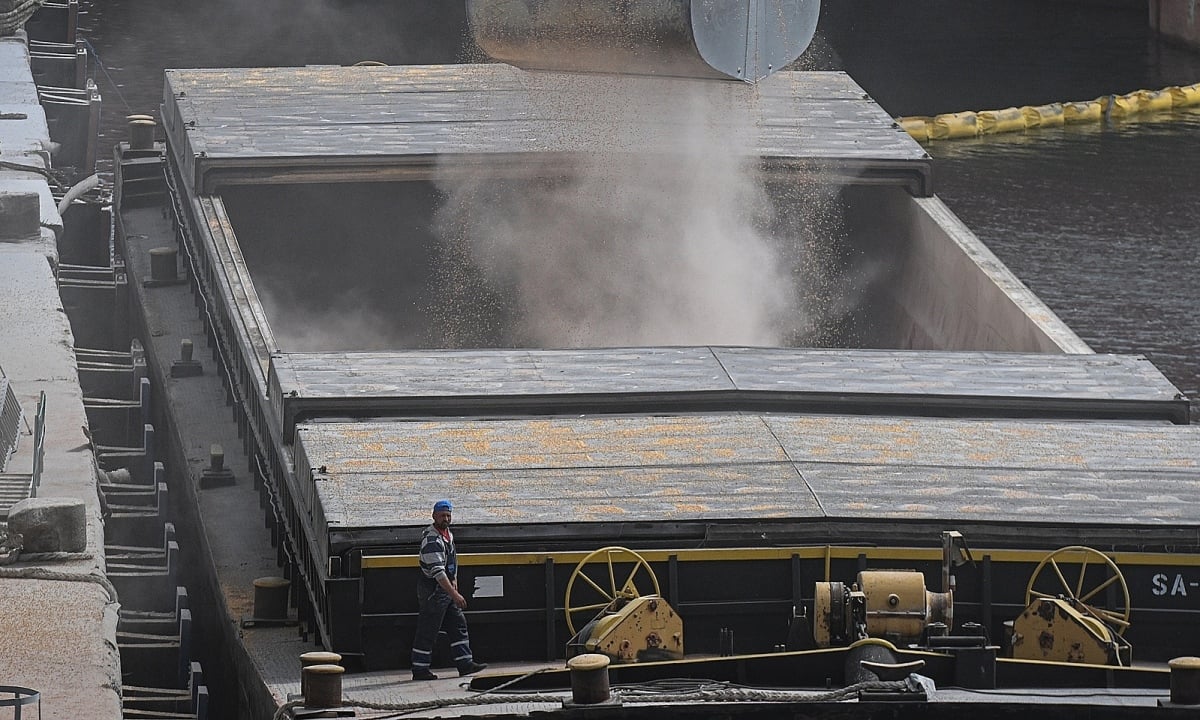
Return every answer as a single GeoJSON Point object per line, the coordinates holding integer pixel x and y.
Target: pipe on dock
{"type": "Point", "coordinates": [77, 191]}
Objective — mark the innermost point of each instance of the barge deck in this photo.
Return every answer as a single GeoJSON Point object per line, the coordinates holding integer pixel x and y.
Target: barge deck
{"type": "Point", "coordinates": [996, 421]}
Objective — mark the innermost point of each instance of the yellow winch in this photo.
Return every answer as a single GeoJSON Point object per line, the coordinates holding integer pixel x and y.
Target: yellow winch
{"type": "Point", "coordinates": [631, 625]}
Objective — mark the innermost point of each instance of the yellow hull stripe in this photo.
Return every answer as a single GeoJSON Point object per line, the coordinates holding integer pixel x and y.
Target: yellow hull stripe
{"type": "Point", "coordinates": [838, 552]}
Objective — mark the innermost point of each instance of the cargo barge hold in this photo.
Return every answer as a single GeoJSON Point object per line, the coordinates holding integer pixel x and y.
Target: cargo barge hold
{"type": "Point", "coordinates": [921, 496]}
{"type": "Point", "coordinates": [963, 403]}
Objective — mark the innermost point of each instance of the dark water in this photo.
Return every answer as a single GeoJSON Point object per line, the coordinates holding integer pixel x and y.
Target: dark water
{"type": "Point", "coordinates": [1103, 223]}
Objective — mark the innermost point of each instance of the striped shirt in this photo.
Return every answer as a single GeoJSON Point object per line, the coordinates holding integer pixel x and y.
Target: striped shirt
{"type": "Point", "coordinates": [438, 556]}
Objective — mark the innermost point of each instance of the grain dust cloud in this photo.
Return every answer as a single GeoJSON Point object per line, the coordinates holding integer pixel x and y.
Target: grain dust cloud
{"type": "Point", "coordinates": [652, 228]}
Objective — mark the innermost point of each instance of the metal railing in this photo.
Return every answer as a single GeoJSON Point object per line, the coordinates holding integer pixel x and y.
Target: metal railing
{"type": "Point", "coordinates": [39, 445]}
{"type": "Point", "coordinates": [15, 487]}
{"type": "Point", "coordinates": [10, 421]}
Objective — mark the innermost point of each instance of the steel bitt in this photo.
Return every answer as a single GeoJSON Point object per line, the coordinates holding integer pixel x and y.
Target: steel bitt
{"type": "Point", "coordinates": [309, 659]}
{"type": "Point", "coordinates": [271, 598]}
{"type": "Point", "coordinates": [186, 366]}
{"type": "Point", "coordinates": [164, 268]}
{"type": "Point", "coordinates": [589, 679]}
{"type": "Point", "coordinates": [216, 472]}
{"type": "Point", "coordinates": [141, 132]}
{"type": "Point", "coordinates": [323, 686]}
{"type": "Point", "coordinates": [163, 265]}
{"type": "Point", "coordinates": [1185, 680]}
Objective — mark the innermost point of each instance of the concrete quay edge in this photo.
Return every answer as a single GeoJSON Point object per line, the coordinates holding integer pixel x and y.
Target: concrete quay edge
{"type": "Point", "coordinates": [57, 636]}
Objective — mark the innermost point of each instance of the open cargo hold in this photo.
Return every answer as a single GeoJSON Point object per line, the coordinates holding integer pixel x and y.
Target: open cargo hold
{"type": "Point", "coordinates": [555, 452]}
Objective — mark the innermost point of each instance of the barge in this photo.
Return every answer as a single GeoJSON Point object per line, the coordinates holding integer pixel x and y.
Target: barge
{"type": "Point", "coordinates": [743, 476]}
{"type": "Point", "coordinates": [921, 417]}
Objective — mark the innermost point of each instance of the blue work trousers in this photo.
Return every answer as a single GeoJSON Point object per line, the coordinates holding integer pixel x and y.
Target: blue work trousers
{"type": "Point", "coordinates": [439, 614]}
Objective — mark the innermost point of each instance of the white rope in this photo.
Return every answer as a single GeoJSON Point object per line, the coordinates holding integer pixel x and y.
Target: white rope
{"type": "Point", "coordinates": [15, 555]}
{"type": "Point", "coordinates": [754, 695]}
{"type": "Point", "coordinates": [632, 697]}
{"type": "Point", "coordinates": [12, 19]}
{"type": "Point", "coordinates": [285, 710]}
{"type": "Point", "coordinates": [11, 553]}
{"type": "Point", "coordinates": [453, 702]}
{"type": "Point", "coordinates": [37, 573]}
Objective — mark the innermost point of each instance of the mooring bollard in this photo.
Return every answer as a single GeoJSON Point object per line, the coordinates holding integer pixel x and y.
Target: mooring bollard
{"type": "Point", "coordinates": [317, 657]}
{"type": "Point", "coordinates": [186, 365]}
{"type": "Point", "coordinates": [271, 598]}
{"type": "Point", "coordinates": [216, 473]}
{"type": "Point", "coordinates": [141, 132]}
{"type": "Point", "coordinates": [164, 266]}
{"type": "Point", "coordinates": [589, 678]}
{"type": "Point", "coordinates": [1185, 680]}
{"type": "Point", "coordinates": [322, 686]}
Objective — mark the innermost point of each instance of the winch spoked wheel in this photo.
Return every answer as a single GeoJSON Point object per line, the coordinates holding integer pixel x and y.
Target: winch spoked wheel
{"type": "Point", "coordinates": [594, 584]}
{"type": "Point", "coordinates": [1063, 574]}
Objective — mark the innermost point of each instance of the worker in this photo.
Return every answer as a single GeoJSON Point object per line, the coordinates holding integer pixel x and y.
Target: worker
{"type": "Point", "coordinates": [441, 604]}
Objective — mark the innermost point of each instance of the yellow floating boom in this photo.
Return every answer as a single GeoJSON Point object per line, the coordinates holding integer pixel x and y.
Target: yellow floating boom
{"type": "Point", "coordinates": [949, 126]}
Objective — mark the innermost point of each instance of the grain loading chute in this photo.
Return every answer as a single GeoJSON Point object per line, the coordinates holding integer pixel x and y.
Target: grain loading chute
{"type": "Point", "coordinates": [716, 39]}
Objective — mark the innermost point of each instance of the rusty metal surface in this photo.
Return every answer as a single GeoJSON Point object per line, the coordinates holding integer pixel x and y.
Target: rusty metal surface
{"type": "Point", "coordinates": [375, 123]}
{"type": "Point", "coordinates": [713, 467]}
{"type": "Point", "coordinates": [705, 369]}
{"type": "Point", "coordinates": [496, 381]}
{"type": "Point", "coordinates": [514, 372]}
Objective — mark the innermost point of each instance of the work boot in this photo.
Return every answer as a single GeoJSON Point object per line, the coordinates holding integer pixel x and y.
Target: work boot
{"type": "Point", "coordinates": [470, 668]}
{"type": "Point", "coordinates": [423, 674]}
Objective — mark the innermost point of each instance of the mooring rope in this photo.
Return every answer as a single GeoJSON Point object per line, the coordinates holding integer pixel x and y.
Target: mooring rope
{"type": "Point", "coordinates": [741, 694]}
{"type": "Point", "coordinates": [16, 14]}
{"type": "Point", "coordinates": [629, 695]}
{"type": "Point", "coordinates": [49, 175]}
{"type": "Point", "coordinates": [107, 75]}
{"type": "Point", "coordinates": [37, 573]}
{"type": "Point", "coordinates": [15, 555]}
{"type": "Point", "coordinates": [11, 553]}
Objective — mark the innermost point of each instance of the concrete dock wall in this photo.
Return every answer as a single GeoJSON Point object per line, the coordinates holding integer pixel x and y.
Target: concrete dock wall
{"type": "Point", "coordinates": [57, 623]}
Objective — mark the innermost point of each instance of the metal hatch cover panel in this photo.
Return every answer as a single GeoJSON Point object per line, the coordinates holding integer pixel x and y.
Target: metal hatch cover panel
{"type": "Point", "coordinates": [705, 468]}
{"type": "Point", "coordinates": [332, 124]}
{"type": "Point", "coordinates": [491, 382]}
{"type": "Point", "coordinates": [719, 39]}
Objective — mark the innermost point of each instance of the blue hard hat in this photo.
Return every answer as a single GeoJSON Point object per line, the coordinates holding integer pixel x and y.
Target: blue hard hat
{"type": "Point", "coordinates": [441, 505]}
